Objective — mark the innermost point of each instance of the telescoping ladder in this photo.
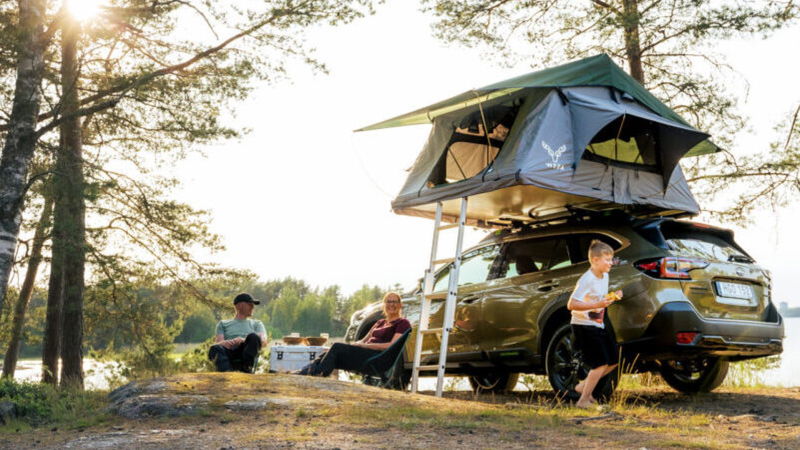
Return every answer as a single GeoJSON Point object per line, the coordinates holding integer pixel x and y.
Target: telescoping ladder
{"type": "Point", "coordinates": [428, 296]}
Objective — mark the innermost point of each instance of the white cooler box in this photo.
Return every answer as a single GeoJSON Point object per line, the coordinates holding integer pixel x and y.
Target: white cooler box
{"type": "Point", "coordinates": [286, 358]}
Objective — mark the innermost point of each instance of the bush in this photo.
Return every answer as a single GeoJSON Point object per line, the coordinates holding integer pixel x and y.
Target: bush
{"type": "Point", "coordinates": [32, 400]}
{"type": "Point", "coordinates": [136, 363]}
{"type": "Point", "coordinates": [39, 404]}
{"type": "Point", "coordinates": [196, 360]}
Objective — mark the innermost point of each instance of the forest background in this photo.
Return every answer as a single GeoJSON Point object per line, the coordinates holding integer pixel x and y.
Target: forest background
{"type": "Point", "coordinates": [152, 320]}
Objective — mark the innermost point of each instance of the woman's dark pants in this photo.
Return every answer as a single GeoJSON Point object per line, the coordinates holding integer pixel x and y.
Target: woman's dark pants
{"type": "Point", "coordinates": [241, 358]}
{"type": "Point", "coordinates": [339, 356]}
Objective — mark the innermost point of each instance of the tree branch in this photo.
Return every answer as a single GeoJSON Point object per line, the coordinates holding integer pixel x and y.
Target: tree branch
{"type": "Point", "coordinates": [605, 5]}
{"type": "Point", "coordinates": [791, 129]}
{"type": "Point", "coordinates": [122, 89]}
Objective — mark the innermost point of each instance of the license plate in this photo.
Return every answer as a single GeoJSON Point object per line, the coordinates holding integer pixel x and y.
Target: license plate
{"type": "Point", "coordinates": [734, 290]}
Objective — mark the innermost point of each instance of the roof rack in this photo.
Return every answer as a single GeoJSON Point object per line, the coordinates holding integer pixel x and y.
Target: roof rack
{"type": "Point", "coordinates": [579, 214]}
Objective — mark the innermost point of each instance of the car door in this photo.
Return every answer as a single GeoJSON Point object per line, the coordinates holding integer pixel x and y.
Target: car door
{"type": "Point", "coordinates": [464, 339]}
{"type": "Point", "coordinates": [533, 275]}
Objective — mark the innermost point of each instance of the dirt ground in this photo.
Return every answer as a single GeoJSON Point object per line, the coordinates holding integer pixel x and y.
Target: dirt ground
{"type": "Point", "coordinates": [238, 411]}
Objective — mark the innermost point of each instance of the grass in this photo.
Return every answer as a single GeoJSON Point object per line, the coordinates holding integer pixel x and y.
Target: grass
{"type": "Point", "coordinates": [325, 412]}
{"type": "Point", "coordinates": [640, 416]}
{"type": "Point", "coordinates": [690, 427]}
{"type": "Point", "coordinates": [750, 373]}
{"type": "Point", "coordinates": [41, 404]}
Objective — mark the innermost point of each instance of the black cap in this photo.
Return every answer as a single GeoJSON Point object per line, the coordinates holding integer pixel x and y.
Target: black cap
{"type": "Point", "coordinates": [245, 297]}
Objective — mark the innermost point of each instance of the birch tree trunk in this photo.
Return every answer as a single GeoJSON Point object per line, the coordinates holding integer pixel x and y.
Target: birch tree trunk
{"type": "Point", "coordinates": [39, 237]}
{"type": "Point", "coordinates": [21, 138]}
{"type": "Point", "coordinates": [69, 162]}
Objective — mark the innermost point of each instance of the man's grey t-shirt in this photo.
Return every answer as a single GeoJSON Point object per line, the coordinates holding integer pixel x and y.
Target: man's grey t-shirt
{"type": "Point", "coordinates": [234, 328]}
{"type": "Point", "coordinates": [596, 288]}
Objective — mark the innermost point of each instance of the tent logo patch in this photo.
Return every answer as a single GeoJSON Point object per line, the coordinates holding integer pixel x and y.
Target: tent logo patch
{"type": "Point", "coordinates": [555, 155]}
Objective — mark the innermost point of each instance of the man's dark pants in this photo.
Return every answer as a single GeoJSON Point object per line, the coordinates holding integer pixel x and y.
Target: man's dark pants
{"type": "Point", "coordinates": [241, 358]}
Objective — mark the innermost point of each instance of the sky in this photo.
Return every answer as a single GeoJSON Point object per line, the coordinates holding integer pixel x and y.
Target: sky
{"type": "Point", "coordinates": [304, 196]}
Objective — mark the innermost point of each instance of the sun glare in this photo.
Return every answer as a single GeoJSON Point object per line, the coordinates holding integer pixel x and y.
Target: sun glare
{"type": "Point", "coordinates": [85, 10]}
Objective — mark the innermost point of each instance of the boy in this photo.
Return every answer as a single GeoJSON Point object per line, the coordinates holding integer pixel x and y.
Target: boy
{"type": "Point", "coordinates": [587, 304]}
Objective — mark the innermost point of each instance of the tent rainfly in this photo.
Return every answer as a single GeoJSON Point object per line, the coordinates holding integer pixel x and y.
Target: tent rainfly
{"type": "Point", "coordinates": [584, 135]}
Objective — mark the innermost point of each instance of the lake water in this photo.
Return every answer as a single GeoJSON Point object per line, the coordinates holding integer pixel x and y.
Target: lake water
{"type": "Point", "coordinates": [786, 374]}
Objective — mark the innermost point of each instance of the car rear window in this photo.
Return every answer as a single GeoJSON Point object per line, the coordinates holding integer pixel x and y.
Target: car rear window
{"type": "Point", "coordinates": [579, 250]}
{"type": "Point", "coordinates": [706, 243]}
{"type": "Point", "coordinates": [534, 255]}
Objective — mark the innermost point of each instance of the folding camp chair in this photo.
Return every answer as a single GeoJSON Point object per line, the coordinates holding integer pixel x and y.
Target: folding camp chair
{"type": "Point", "coordinates": [386, 368]}
{"type": "Point", "coordinates": [237, 364]}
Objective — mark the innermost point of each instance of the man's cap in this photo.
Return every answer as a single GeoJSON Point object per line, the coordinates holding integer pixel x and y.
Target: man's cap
{"type": "Point", "coordinates": [245, 297]}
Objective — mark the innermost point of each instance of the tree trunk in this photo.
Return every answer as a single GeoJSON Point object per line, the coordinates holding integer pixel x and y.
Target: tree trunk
{"type": "Point", "coordinates": [39, 237]}
{"type": "Point", "coordinates": [633, 48]}
{"type": "Point", "coordinates": [70, 165]}
{"type": "Point", "coordinates": [21, 138]}
{"type": "Point", "coordinates": [51, 342]}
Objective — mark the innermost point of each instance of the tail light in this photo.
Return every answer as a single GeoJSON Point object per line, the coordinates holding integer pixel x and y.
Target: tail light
{"type": "Point", "coordinates": [685, 337]}
{"type": "Point", "coordinates": [671, 267]}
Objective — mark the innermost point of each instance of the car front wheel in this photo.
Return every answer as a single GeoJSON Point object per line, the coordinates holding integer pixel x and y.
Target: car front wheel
{"type": "Point", "coordinates": [496, 382]}
{"type": "Point", "coordinates": [694, 376]}
{"type": "Point", "coordinates": [565, 368]}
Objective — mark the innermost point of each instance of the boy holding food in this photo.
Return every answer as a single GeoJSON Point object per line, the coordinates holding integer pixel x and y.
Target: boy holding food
{"type": "Point", "coordinates": [588, 304]}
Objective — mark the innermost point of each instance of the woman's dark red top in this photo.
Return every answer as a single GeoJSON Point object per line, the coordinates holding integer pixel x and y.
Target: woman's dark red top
{"type": "Point", "coordinates": [384, 331]}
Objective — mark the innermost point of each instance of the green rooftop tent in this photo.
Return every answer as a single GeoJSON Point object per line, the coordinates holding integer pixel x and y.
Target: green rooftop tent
{"type": "Point", "coordinates": [584, 135]}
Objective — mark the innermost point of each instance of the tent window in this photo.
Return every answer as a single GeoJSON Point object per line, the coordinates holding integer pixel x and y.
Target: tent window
{"type": "Point", "coordinates": [470, 151]}
{"type": "Point", "coordinates": [628, 139]}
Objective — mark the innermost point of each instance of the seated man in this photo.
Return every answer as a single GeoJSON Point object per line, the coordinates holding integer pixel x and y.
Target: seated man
{"type": "Point", "coordinates": [238, 339]}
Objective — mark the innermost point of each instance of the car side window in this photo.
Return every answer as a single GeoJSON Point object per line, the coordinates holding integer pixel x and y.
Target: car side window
{"type": "Point", "coordinates": [579, 245]}
{"type": "Point", "coordinates": [534, 255]}
{"type": "Point", "coordinates": [475, 267]}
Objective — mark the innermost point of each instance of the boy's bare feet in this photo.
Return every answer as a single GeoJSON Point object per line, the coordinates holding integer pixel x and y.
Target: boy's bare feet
{"type": "Point", "coordinates": [588, 404]}
{"type": "Point", "coordinates": [579, 387]}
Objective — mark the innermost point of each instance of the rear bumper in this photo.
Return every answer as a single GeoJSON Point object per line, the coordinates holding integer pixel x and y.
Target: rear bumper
{"type": "Point", "coordinates": [732, 339]}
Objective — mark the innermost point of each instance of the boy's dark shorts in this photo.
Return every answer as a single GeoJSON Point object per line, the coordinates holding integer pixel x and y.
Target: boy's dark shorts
{"type": "Point", "coordinates": [595, 344]}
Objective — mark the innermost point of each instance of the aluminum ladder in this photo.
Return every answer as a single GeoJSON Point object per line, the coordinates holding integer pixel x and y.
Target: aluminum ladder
{"type": "Point", "coordinates": [428, 296]}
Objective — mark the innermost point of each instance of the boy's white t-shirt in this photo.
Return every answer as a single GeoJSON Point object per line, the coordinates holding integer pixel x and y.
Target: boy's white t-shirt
{"type": "Point", "coordinates": [597, 288]}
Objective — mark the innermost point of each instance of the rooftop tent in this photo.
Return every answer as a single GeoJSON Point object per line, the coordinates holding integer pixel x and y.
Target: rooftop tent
{"type": "Point", "coordinates": [581, 135]}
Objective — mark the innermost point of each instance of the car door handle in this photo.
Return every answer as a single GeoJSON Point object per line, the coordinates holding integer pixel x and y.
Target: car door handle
{"type": "Point", "coordinates": [547, 286]}
{"type": "Point", "coordinates": [469, 300]}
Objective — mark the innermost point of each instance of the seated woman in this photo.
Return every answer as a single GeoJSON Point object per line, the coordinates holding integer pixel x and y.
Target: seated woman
{"type": "Point", "coordinates": [352, 356]}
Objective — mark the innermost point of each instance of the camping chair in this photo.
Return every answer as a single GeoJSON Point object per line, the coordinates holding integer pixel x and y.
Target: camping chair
{"type": "Point", "coordinates": [386, 368]}
{"type": "Point", "coordinates": [237, 364]}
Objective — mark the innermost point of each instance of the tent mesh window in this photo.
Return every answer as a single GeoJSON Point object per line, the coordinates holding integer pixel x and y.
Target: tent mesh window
{"type": "Point", "coordinates": [470, 150]}
{"type": "Point", "coordinates": [627, 140]}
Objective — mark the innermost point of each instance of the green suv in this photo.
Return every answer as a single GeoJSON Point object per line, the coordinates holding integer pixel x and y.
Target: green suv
{"type": "Point", "coordinates": [693, 301]}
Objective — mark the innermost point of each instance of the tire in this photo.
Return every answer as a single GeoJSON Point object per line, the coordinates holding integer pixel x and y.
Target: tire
{"type": "Point", "coordinates": [694, 376]}
{"type": "Point", "coordinates": [565, 368]}
{"type": "Point", "coordinates": [497, 382]}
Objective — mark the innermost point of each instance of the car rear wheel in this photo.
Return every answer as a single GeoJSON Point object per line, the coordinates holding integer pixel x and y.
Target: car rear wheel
{"type": "Point", "coordinates": [691, 377]}
{"type": "Point", "coordinates": [565, 368]}
{"type": "Point", "coordinates": [496, 382]}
